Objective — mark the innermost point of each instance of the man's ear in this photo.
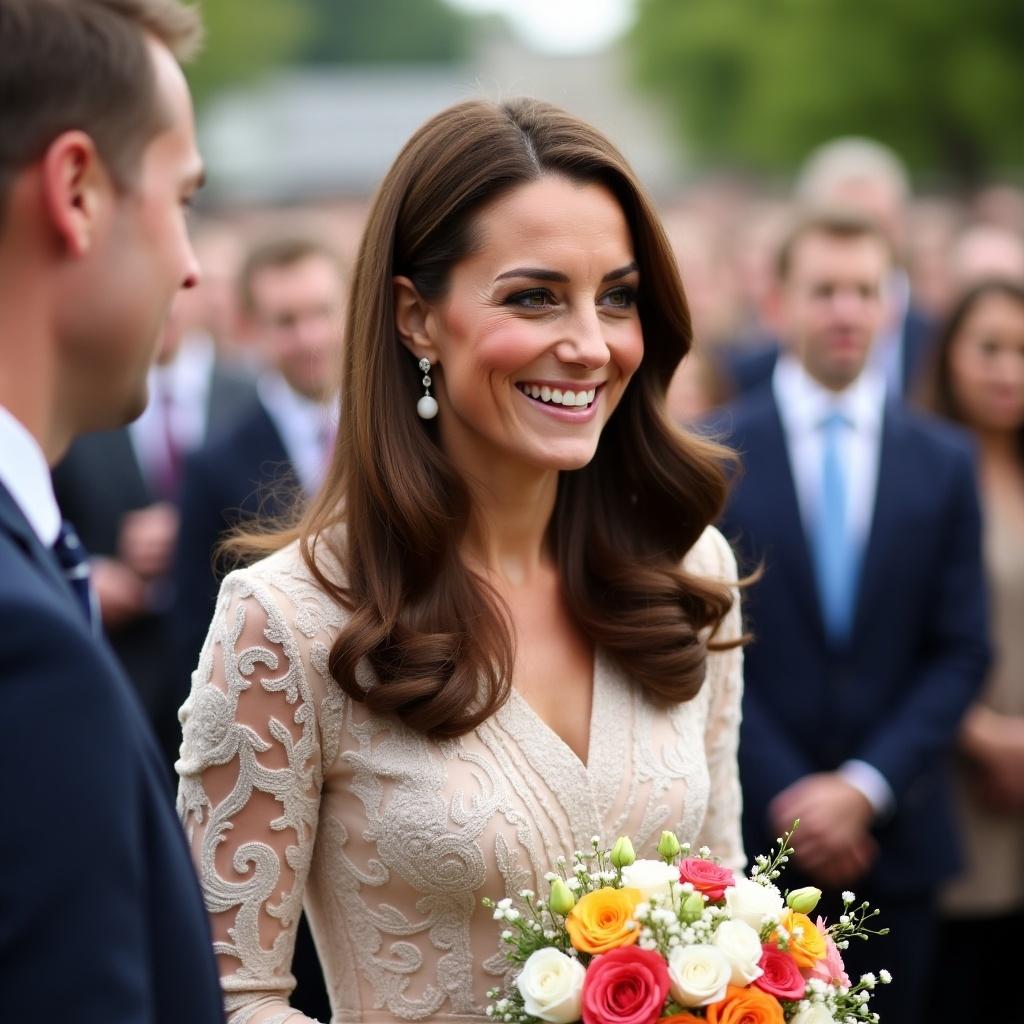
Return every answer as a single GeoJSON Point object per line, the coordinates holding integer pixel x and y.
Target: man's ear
{"type": "Point", "coordinates": [76, 190]}
{"type": "Point", "coordinates": [414, 320]}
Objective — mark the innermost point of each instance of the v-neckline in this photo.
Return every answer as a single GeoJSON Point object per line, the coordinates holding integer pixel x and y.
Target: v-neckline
{"type": "Point", "coordinates": [593, 730]}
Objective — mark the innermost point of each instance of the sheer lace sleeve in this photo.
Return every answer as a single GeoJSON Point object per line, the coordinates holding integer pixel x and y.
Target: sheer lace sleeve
{"type": "Point", "coordinates": [251, 772]}
{"type": "Point", "coordinates": [721, 829]}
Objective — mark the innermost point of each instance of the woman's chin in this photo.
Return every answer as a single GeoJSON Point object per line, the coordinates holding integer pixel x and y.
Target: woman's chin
{"type": "Point", "coordinates": [565, 458]}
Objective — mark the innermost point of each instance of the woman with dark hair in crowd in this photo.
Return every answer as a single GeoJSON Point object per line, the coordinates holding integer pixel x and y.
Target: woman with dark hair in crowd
{"type": "Point", "coordinates": [978, 381]}
{"type": "Point", "coordinates": [506, 625]}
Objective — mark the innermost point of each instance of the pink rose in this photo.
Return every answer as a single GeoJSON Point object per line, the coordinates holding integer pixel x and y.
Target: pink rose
{"type": "Point", "coordinates": [626, 985]}
{"type": "Point", "coordinates": [706, 877]}
{"type": "Point", "coordinates": [831, 969]}
{"type": "Point", "coordinates": [781, 977]}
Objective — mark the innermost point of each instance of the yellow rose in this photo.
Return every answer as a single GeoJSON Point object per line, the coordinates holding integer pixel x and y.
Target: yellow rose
{"type": "Point", "coordinates": [807, 947]}
{"type": "Point", "coordinates": [603, 920]}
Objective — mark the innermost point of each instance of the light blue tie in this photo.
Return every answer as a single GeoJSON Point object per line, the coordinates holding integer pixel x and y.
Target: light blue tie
{"type": "Point", "coordinates": [835, 553]}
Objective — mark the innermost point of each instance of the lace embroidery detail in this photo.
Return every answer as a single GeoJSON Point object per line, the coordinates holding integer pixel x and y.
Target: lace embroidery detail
{"type": "Point", "coordinates": [290, 790]}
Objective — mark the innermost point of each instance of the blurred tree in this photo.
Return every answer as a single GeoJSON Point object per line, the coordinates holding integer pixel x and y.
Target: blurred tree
{"type": "Point", "coordinates": [246, 38]}
{"type": "Point", "coordinates": [758, 83]}
{"type": "Point", "coordinates": [407, 31]}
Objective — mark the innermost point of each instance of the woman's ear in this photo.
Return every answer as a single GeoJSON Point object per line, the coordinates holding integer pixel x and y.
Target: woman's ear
{"type": "Point", "coordinates": [414, 320]}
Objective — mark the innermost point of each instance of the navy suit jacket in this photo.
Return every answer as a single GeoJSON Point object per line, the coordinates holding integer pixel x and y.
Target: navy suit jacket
{"type": "Point", "coordinates": [748, 368]}
{"type": "Point", "coordinates": [894, 695]}
{"type": "Point", "coordinates": [101, 919]}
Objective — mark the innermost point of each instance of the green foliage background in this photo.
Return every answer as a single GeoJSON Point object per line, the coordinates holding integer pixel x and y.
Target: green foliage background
{"type": "Point", "coordinates": [754, 84]}
{"type": "Point", "coordinates": [757, 83]}
{"type": "Point", "coordinates": [246, 38]}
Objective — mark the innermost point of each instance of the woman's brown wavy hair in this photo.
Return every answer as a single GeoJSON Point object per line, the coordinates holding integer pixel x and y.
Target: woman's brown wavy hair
{"type": "Point", "coordinates": [393, 510]}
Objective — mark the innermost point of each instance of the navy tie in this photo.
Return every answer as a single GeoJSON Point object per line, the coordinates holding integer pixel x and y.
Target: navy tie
{"type": "Point", "coordinates": [74, 561]}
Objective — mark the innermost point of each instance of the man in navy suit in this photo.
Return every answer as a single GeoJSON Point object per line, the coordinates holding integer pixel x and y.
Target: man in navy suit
{"type": "Point", "coordinates": [869, 621]}
{"type": "Point", "coordinates": [101, 917]}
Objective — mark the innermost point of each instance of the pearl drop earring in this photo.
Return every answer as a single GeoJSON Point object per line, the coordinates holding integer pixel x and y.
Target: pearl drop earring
{"type": "Point", "coordinates": [426, 407]}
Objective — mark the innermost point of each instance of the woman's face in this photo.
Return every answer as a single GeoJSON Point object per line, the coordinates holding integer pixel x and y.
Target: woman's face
{"type": "Point", "coordinates": [539, 333]}
{"type": "Point", "coordinates": [986, 363]}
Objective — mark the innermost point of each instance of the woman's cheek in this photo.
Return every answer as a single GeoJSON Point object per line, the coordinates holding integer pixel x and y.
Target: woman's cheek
{"type": "Point", "coordinates": [511, 348]}
{"type": "Point", "coordinates": [629, 353]}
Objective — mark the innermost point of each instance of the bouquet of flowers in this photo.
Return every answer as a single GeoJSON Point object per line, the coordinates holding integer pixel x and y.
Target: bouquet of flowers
{"type": "Point", "coordinates": [679, 940]}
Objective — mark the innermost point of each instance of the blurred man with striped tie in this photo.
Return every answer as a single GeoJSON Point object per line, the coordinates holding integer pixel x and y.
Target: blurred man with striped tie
{"type": "Point", "coordinates": [869, 620]}
{"type": "Point", "coordinates": [102, 919]}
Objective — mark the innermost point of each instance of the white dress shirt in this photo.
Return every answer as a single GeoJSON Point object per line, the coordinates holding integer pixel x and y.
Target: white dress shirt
{"type": "Point", "coordinates": [306, 427]}
{"type": "Point", "coordinates": [179, 398]}
{"type": "Point", "coordinates": [888, 350]}
{"type": "Point", "coordinates": [803, 406]}
{"type": "Point", "coordinates": [25, 474]}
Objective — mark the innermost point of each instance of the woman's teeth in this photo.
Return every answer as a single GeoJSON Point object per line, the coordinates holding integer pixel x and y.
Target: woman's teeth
{"type": "Point", "coordinates": [556, 396]}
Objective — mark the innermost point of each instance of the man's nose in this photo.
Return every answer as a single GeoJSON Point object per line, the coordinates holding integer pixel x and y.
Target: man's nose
{"type": "Point", "coordinates": [193, 273]}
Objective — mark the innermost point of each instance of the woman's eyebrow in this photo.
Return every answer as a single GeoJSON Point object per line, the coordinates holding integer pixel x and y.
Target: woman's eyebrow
{"type": "Point", "coordinates": [538, 273]}
{"type": "Point", "coordinates": [543, 274]}
{"type": "Point", "coordinates": [625, 271]}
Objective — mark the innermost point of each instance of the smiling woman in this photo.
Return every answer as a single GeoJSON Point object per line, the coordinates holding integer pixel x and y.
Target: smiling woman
{"type": "Point", "coordinates": [500, 630]}
{"type": "Point", "coordinates": [568, 330]}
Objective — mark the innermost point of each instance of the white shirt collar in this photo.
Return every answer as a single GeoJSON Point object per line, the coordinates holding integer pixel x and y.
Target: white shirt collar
{"type": "Point", "coordinates": [24, 472]}
{"type": "Point", "coordinates": [189, 372]}
{"type": "Point", "coordinates": [280, 399]}
{"type": "Point", "coordinates": [804, 403]}
{"type": "Point", "coordinates": [305, 426]}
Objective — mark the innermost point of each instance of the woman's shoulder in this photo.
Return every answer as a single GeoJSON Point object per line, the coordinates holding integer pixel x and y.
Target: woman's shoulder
{"type": "Point", "coordinates": [711, 556]}
{"type": "Point", "coordinates": [285, 580]}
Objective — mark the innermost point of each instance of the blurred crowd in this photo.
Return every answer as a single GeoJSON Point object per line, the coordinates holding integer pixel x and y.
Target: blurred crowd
{"type": "Point", "coordinates": [242, 414]}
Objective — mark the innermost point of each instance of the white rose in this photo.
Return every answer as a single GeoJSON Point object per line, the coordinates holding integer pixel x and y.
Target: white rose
{"type": "Point", "coordinates": [815, 1013]}
{"type": "Point", "coordinates": [742, 948]}
{"type": "Point", "coordinates": [699, 975]}
{"type": "Point", "coordinates": [551, 985]}
{"type": "Point", "coordinates": [751, 902]}
{"type": "Point", "coordinates": [651, 877]}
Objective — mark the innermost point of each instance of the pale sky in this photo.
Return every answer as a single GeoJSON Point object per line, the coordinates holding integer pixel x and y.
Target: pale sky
{"type": "Point", "coordinates": [559, 26]}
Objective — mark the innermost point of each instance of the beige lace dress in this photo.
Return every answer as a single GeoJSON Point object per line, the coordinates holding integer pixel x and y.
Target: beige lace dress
{"type": "Point", "coordinates": [293, 795]}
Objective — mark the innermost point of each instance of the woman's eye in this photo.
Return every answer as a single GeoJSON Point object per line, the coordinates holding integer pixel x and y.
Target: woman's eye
{"type": "Point", "coordinates": [535, 298]}
{"type": "Point", "coordinates": [620, 298]}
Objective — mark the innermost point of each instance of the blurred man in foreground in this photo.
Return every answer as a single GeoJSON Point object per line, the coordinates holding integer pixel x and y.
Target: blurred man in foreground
{"type": "Point", "coordinates": [102, 919]}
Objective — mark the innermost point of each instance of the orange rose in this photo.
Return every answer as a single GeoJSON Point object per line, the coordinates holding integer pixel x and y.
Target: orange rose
{"type": "Point", "coordinates": [603, 920]}
{"type": "Point", "coordinates": [807, 948]}
{"type": "Point", "coordinates": [745, 1006]}
{"type": "Point", "coordinates": [682, 1018]}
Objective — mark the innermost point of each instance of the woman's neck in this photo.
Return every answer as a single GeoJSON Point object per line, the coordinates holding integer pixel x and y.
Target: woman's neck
{"type": "Point", "coordinates": [508, 529]}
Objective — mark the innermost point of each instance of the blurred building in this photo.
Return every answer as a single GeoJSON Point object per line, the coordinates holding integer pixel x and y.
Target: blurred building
{"type": "Point", "coordinates": [314, 135]}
